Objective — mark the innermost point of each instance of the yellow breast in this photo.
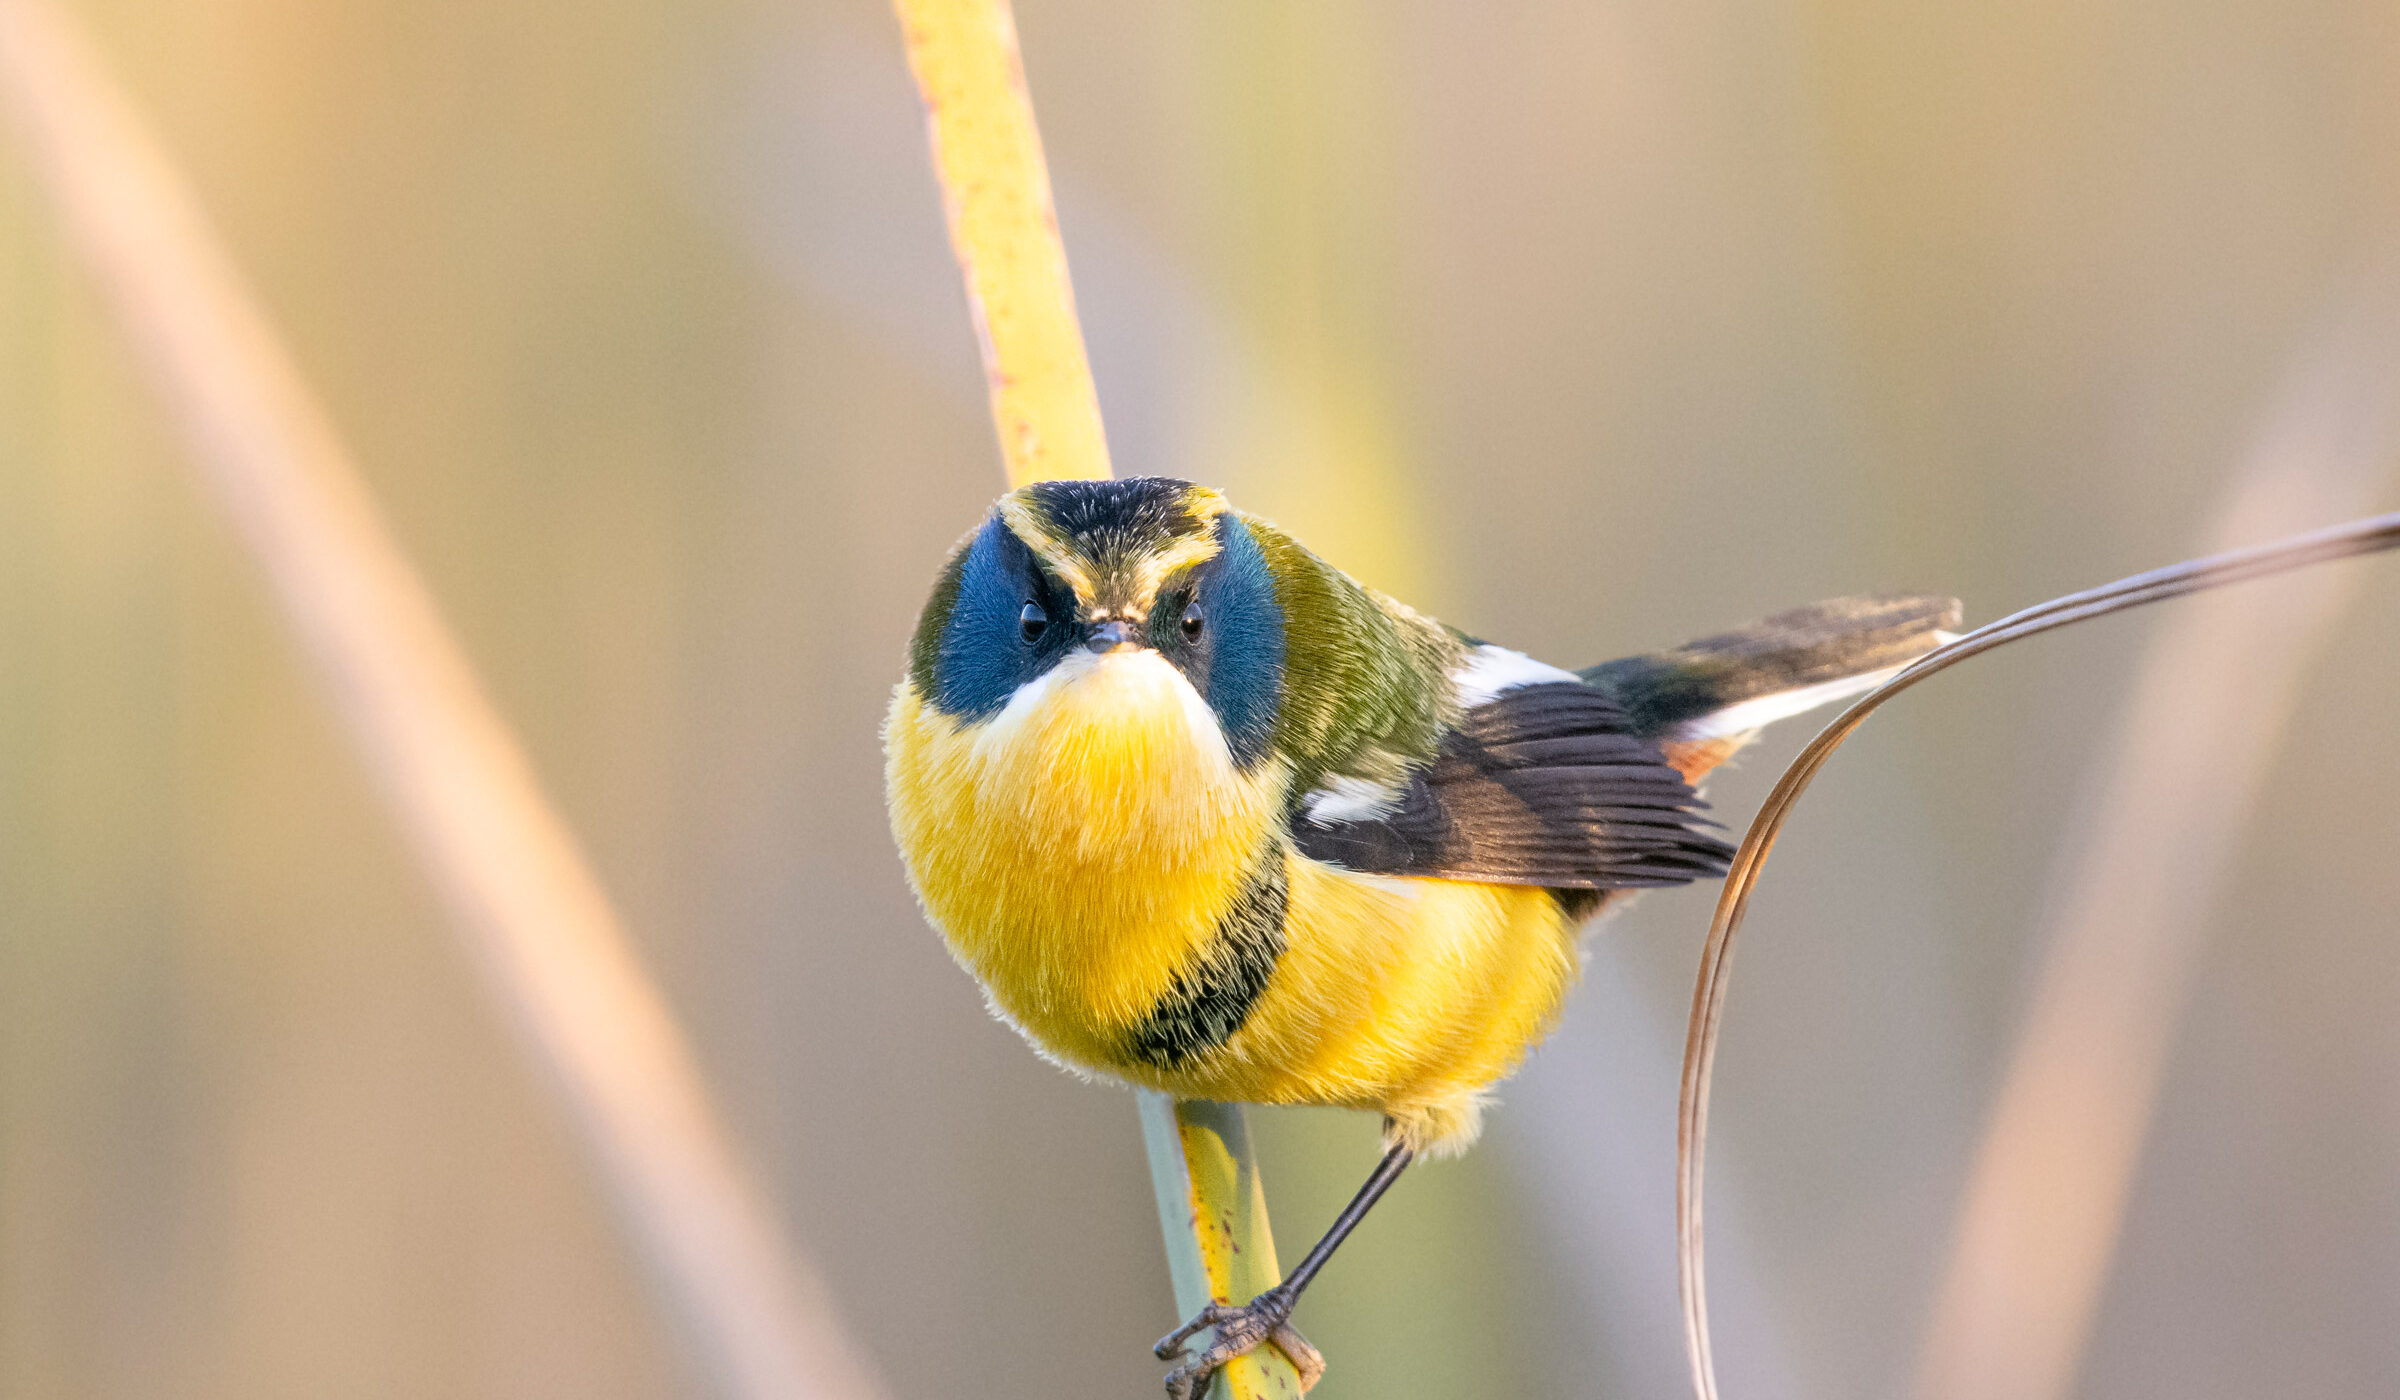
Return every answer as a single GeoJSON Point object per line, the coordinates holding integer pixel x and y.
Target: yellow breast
{"type": "Point", "coordinates": [1080, 849]}
{"type": "Point", "coordinates": [1075, 848]}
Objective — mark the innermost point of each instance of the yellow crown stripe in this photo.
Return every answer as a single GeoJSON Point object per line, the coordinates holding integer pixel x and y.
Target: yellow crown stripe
{"type": "Point", "coordinates": [1131, 584]}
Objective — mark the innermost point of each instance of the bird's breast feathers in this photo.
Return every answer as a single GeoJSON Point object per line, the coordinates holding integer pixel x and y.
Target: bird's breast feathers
{"type": "Point", "coordinates": [1078, 845]}
{"type": "Point", "coordinates": [1130, 899]}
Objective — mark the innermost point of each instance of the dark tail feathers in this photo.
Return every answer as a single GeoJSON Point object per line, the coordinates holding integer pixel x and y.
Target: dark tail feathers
{"type": "Point", "coordinates": [1804, 654]}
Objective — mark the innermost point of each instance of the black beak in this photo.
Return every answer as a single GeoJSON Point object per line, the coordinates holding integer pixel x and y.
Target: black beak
{"type": "Point", "coordinates": [1111, 636]}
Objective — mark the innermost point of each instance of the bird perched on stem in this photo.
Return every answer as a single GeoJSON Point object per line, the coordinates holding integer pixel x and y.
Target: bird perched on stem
{"type": "Point", "coordinates": [1203, 813]}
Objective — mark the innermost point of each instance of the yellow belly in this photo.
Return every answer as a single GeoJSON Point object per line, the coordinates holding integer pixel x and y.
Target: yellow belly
{"type": "Point", "coordinates": [1405, 996]}
{"type": "Point", "coordinates": [1078, 850]}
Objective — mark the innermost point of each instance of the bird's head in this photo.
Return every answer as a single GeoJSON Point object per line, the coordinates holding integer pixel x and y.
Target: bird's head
{"type": "Point", "coordinates": [1142, 601]}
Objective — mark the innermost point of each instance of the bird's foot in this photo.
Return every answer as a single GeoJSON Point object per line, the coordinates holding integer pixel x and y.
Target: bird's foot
{"type": "Point", "coordinates": [1240, 1330]}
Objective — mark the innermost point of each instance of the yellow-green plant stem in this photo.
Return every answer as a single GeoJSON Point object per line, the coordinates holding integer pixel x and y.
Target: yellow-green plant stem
{"type": "Point", "coordinates": [1213, 1209]}
{"type": "Point", "coordinates": [987, 155]}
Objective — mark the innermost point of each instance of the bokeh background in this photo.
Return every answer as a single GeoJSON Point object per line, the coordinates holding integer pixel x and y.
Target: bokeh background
{"type": "Point", "coordinates": [1585, 326]}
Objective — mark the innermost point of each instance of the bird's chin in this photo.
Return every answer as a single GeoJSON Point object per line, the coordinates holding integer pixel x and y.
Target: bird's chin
{"type": "Point", "coordinates": [1105, 745]}
{"type": "Point", "coordinates": [1133, 701]}
{"type": "Point", "coordinates": [1131, 674]}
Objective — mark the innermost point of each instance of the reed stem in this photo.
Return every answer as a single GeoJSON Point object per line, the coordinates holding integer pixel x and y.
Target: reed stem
{"type": "Point", "coordinates": [987, 154]}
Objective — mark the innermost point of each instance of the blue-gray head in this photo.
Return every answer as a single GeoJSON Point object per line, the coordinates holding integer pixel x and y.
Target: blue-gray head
{"type": "Point", "coordinates": [1064, 572]}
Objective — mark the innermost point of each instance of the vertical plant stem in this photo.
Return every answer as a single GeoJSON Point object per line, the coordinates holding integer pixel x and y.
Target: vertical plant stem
{"type": "Point", "coordinates": [987, 154]}
{"type": "Point", "coordinates": [1210, 1201]}
{"type": "Point", "coordinates": [1212, 1207]}
{"type": "Point", "coordinates": [527, 906]}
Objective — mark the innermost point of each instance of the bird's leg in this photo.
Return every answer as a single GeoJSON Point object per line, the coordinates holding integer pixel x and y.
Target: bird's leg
{"type": "Point", "coordinates": [1267, 1317]}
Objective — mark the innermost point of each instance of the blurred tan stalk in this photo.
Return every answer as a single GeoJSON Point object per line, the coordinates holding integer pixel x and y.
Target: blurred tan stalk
{"type": "Point", "coordinates": [528, 907]}
{"type": "Point", "coordinates": [2046, 1198]}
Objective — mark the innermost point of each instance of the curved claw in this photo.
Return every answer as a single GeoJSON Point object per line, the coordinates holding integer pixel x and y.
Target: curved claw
{"type": "Point", "coordinates": [1240, 1330]}
{"type": "Point", "coordinates": [1305, 1359]}
{"type": "Point", "coordinates": [1171, 1345]}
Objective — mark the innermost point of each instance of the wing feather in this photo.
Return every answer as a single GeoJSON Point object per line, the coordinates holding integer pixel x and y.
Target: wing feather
{"type": "Point", "coordinates": [1539, 784]}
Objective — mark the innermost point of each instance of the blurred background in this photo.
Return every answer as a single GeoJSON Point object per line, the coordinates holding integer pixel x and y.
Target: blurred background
{"type": "Point", "coordinates": [1586, 327]}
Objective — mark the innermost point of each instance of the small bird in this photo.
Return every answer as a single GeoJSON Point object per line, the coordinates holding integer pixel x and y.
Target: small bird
{"type": "Point", "coordinates": [1204, 814]}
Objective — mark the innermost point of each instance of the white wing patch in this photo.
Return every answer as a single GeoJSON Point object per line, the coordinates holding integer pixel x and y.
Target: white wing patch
{"type": "Point", "coordinates": [1349, 800]}
{"type": "Point", "coordinates": [1488, 670]}
{"type": "Point", "coordinates": [1766, 709]}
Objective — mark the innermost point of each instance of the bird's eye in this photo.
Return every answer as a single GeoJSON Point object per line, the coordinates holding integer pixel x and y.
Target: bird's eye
{"type": "Point", "coordinates": [1033, 621]}
{"type": "Point", "coordinates": [1191, 622]}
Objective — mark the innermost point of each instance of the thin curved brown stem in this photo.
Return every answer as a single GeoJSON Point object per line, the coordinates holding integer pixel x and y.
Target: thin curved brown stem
{"type": "Point", "coordinates": [1741, 881]}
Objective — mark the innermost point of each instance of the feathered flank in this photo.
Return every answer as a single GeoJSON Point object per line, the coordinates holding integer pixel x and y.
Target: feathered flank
{"type": "Point", "coordinates": [1364, 688]}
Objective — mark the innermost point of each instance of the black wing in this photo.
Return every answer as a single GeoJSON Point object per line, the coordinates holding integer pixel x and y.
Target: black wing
{"type": "Point", "coordinates": [1540, 785]}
